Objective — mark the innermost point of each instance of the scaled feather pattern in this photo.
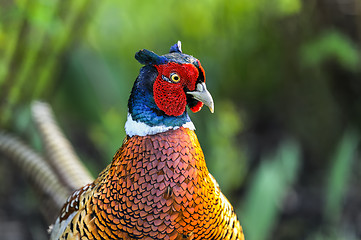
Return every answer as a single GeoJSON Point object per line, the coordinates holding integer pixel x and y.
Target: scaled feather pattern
{"type": "Point", "coordinates": [158, 185]}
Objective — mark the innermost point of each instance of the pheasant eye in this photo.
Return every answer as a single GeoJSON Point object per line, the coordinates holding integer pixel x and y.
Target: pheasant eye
{"type": "Point", "coordinates": [175, 77]}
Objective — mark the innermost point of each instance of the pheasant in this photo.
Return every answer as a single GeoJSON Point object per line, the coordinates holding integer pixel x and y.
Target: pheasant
{"type": "Point", "coordinates": [158, 185]}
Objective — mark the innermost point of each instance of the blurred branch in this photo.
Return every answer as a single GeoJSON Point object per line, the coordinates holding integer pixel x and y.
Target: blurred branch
{"type": "Point", "coordinates": [45, 31]}
{"type": "Point", "coordinates": [70, 27]}
{"type": "Point", "coordinates": [13, 34]}
{"type": "Point", "coordinates": [34, 39]}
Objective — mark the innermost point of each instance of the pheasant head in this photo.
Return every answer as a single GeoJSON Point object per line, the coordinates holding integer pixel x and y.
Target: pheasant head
{"type": "Point", "coordinates": [166, 85]}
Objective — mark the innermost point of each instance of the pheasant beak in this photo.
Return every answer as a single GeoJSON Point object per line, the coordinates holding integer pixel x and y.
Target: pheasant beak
{"type": "Point", "coordinates": [201, 94]}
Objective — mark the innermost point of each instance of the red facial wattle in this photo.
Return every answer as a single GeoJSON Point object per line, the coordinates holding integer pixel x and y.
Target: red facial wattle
{"type": "Point", "coordinates": [199, 104]}
{"type": "Point", "coordinates": [170, 96]}
{"type": "Point", "coordinates": [197, 107]}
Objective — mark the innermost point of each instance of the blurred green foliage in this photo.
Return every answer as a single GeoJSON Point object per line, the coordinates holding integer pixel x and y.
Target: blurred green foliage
{"type": "Point", "coordinates": [340, 169]}
{"type": "Point", "coordinates": [267, 191]}
{"type": "Point", "coordinates": [278, 70]}
{"type": "Point", "coordinates": [331, 44]}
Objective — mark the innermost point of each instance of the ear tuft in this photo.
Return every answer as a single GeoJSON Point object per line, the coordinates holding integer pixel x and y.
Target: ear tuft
{"type": "Point", "coordinates": [147, 57]}
{"type": "Point", "coordinates": [176, 48]}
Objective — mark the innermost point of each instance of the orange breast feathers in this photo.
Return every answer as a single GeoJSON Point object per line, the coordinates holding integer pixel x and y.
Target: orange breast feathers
{"type": "Point", "coordinates": [159, 187]}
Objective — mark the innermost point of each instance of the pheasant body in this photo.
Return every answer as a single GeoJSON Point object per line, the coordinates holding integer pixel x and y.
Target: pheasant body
{"type": "Point", "coordinates": [158, 185]}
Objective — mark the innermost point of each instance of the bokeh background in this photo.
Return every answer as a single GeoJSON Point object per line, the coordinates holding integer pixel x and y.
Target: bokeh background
{"type": "Point", "coordinates": [285, 75]}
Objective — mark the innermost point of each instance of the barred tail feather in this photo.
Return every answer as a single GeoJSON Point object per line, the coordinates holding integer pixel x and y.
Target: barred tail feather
{"type": "Point", "coordinates": [37, 170]}
{"type": "Point", "coordinates": [58, 149]}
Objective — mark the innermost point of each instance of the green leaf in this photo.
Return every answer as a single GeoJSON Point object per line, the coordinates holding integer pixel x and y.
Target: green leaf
{"type": "Point", "coordinates": [270, 184]}
{"type": "Point", "coordinates": [339, 175]}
